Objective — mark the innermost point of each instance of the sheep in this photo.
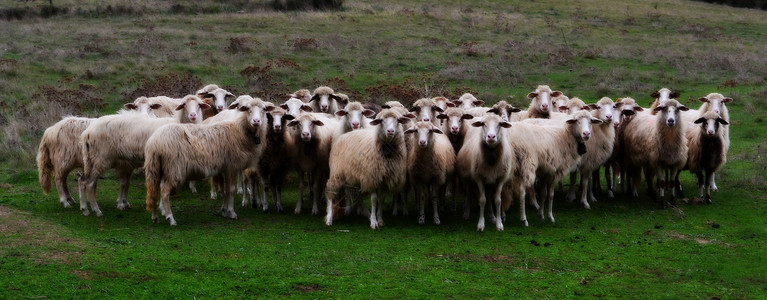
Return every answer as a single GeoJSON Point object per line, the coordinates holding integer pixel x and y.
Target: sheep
{"type": "Point", "coordinates": [325, 100]}
{"type": "Point", "coordinates": [59, 152]}
{"type": "Point", "coordinates": [560, 102]}
{"type": "Point", "coordinates": [216, 98]}
{"type": "Point", "coordinates": [159, 106]}
{"type": "Point", "coordinates": [353, 116]}
{"type": "Point", "coordinates": [431, 162]}
{"type": "Point", "coordinates": [505, 110]}
{"type": "Point", "coordinates": [276, 157]}
{"type": "Point", "coordinates": [656, 143]}
{"type": "Point", "coordinates": [443, 103]}
{"type": "Point", "coordinates": [295, 106]}
{"type": "Point", "coordinates": [467, 101]}
{"type": "Point", "coordinates": [628, 108]}
{"type": "Point", "coordinates": [707, 151]}
{"type": "Point", "coordinates": [179, 152]}
{"type": "Point", "coordinates": [713, 102]}
{"type": "Point", "coordinates": [117, 141]}
{"type": "Point", "coordinates": [546, 151]}
{"type": "Point", "coordinates": [374, 159]}
{"type": "Point", "coordinates": [599, 149]}
{"type": "Point", "coordinates": [343, 99]}
{"type": "Point", "coordinates": [303, 94]}
{"type": "Point", "coordinates": [426, 110]}
{"type": "Point", "coordinates": [661, 96]}
{"type": "Point", "coordinates": [313, 138]}
{"type": "Point", "coordinates": [540, 104]}
{"type": "Point", "coordinates": [485, 158]}
{"type": "Point", "coordinates": [455, 128]}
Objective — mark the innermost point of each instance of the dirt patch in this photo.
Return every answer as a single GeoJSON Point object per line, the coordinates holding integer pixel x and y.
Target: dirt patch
{"type": "Point", "coordinates": [42, 241]}
{"type": "Point", "coordinates": [306, 288]}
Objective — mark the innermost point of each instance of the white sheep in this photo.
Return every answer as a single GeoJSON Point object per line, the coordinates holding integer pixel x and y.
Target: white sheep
{"type": "Point", "coordinates": [374, 159]}
{"type": "Point", "coordinates": [505, 110]}
{"type": "Point", "coordinates": [560, 103]}
{"type": "Point", "coordinates": [540, 102]}
{"type": "Point", "coordinates": [303, 94]}
{"type": "Point", "coordinates": [628, 109]}
{"type": "Point", "coordinates": [313, 137]}
{"type": "Point", "coordinates": [431, 162]}
{"type": "Point", "coordinates": [325, 100]}
{"type": "Point", "coordinates": [486, 159]}
{"type": "Point", "coordinates": [707, 151]}
{"type": "Point", "coordinates": [443, 102]}
{"type": "Point", "coordinates": [467, 101]}
{"type": "Point", "coordinates": [353, 116]}
{"type": "Point", "coordinates": [179, 152]}
{"type": "Point", "coordinates": [117, 141]}
{"type": "Point", "coordinates": [426, 110]}
{"type": "Point", "coordinates": [661, 96]}
{"type": "Point", "coordinates": [656, 143]}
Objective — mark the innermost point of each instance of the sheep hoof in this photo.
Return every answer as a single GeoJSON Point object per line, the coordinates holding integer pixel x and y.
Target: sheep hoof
{"type": "Point", "coordinates": [65, 204]}
{"type": "Point", "coordinates": [499, 226]}
{"type": "Point", "coordinates": [213, 196]}
{"type": "Point", "coordinates": [421, 220]}
{"type": "Point", "coordinates": [524, 223]}
{"type": "Point", "coordinates": [99, 213]}
{"type": "Point", "coordinates": [193, 189]}
{"type": "Point", "coordinates": [328, 221]}
{"type": "Point", "coordinates": [436, 220]}
{"type": "Point", "coordinates": [714, 188]}
{"type": "Point", "coordinates": [373, 225]}
{"type": "Point", "coordinates": [551, 218]}
{"type": "Point", "coordinates": [297, 210]}
{"type": "Point", "coordinates": [85, 211]}
{"type": "Point", "coordinates": [481, 227]}
{"type": "Point", "coordinates": [466, 215]}
{"type": "Point", "coordinates": [707, 199]}
{"type": "Point", "coordinates": [315, 211]}
{"type": "Point", "coordinates": [239, 191]}
{"type": "Point", "coordinates": [586, 205]}
{"type": "Point", "coordinates": [570, 198]}
{"type": "Point", "coordinates": [171, 220]}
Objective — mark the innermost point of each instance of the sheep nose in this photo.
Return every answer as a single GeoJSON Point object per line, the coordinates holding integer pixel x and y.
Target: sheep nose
{"type": "Point", "coordinates": [454, 129]}
{"type": "Point", "coordinates": [609, 117]}
{"type": "Point", "coordinates": [277, 128]}
{"type": "Point", "coordinates": [586, 135]}
{"type": "Point", "coordinates": [670, 122]}
{"type": "Point", "coordinates": [422, 143]}
{"type": "Point", "coordinates": [324, 108]}
{"type": "Point", "coordinates": [256, 122]}
{"type": "Point", "coordinates": [545, 107]}
{"type": "Point", "coordinates": [220, 107]}
{"type": "Point", "coordinates": [426, 119]}
{"type": "Point", "coordinates": [717, 111]}
{"type": "Point", "coordinates": [710, 132]}
{"type": "Point", "coordinates": [390, 132]}
{"type": "Point", "coordinates": [491, 137]}
{"type": "Point", "coordinates": [355, 125]}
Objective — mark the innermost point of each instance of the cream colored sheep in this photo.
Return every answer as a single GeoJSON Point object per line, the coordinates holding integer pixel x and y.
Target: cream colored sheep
{"type": "Point", "coordinates": [661, 96]}
{"type": "Point", "coordinates": [117, 141]}
{"type": "Point", "coordinates": [467, 101]}
{"type": "Point", "coordinates": [303, 94]}
{"type": "Point", "coordinates": [353, 116]}
{"type": "Point", "coordinates": [426, 110]}
{"type": "Point", "coordinates": [505, 110]}
{"type": "Point", "coordinates": [180, 152]}
{"type": "Point", "coordinates": [325, 100]}
{"type": "Point", "coordinates": [540, 102]}
{"type": "Point", "coordinates": [707, 151]}
{"type": "Point", "coordinates": [374, 159]}
{"type": "Point", "coordinates": [431, 162]}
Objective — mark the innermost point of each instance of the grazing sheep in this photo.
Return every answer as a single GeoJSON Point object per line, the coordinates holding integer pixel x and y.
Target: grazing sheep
{"type": "Point", "coordinates": [707, 151]}
{"type": "Point", "coordinates": [179, 152]}
{"type": "Point", "coordinates": [657, 144]}
{"type": "Point", "coordinates": [325, 100]}
{"type": "Point", "coordinates": [431, 162]}
{"type": "Point", "coordinates": [505, 110]}
{"type": "Point", "coordinates": [540, 105]}
{"type": "Point", "coordinates": [486, 159]}
{"type": "Point", "coordinates": [276, 158]}
{"type": "Point", "coordinates": [374, 159]}
{"type": "Point", "coordinates": [426, 109]}
{"type": "Point", "coordinates": [661, 96]}
{"type": "Point", "coordinates": [313, 138]}
{"type": "Point", "coordinates": [549, 149]}
{"type": "Point", "coordinates": [353, 116]}
{"type": "Point", "coordinates": [117, 141]}
{"type": "Point", "coordinates": [467, 101]}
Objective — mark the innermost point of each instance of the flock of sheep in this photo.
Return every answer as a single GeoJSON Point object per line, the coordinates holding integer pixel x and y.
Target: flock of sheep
{"type": "Point", "coordinates": [344, 150]}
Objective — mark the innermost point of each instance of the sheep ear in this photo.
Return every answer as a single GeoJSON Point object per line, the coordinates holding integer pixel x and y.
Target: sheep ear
{"type": "Point", "coordinates": [315, 98]}
{"type": "Point", "coordinates": [683, 108]}
{"type": "Point", "coordinates": [244, 108]}
{"type": "Point", "coordinates": [628, 112]}
{"type": "Point", "coordinates": [596, 121]}
{"type": "Point", "coordinates": [375, 122]}
{"type": "Point", "coordinates": [467, 117]}
{"type": "Point", "coordinates": [478, 102]}
{"type": "Point", "coordinates": [494, 110]}
{"type": "Point", "coordinates": [727, 100]}
{"type": "Point", "coordinates": [180, 106]}
{"type": "Point", "coordinates": [155, 106]}
{"type": "Point", "coordinates": [284, 106]}
{"type": "Point", "coordinates": [505, 124]}
{"type": "Point", "coordinates": [722, 121]}
{"type": "Point", "coordinates": [703, 99]}
{"type": "Point", "coordinates": [638, 108]}
{"type": "Point", "coordinates": [368, 113]}
{"type": "Point", "coordinates": [229, 95]}
{"type": "Point", "coordinates": [269, 108]}
{"type": "Point", "coordinates": [515, 109]}
{"type": "Point", "coordinates": [655, 94]}
{"type": "Point", "coordinates": [658, 108]}
{"type": "Point", "coordinates": [412, 116]}
{"type": "Point", "coordinates": [306, 108]}
{"type": "Point", "coordinates": [234, 105]}
{"type": "Point", "coordinates": [415, 108]}
{"type": "Point", "coordinates": [318, 123]}
{"type": "Point", "coordinates": [571, 121]}
{"type": "Point", "coordinates": [410, 130]}
{"type": "Point", "coordinates": [385, 106]}
{"type": "Point", "coordinates": [674, 95]}
{"type": "Point", "coordinates": [586, 107]}
{"type": "Point", "coordinates": [556, 94]}
{"type": "Point", "coordinates": [563, 107]}
{"type": "Point", "coordinates": [438, 109]}
{"type": "Point", "coordinates": [293, 123]}
{"type": "Point", "coordinates": [288, 117]}
{"type": "Point", "coordinates": [442, 116]}
{"type": "Point", "coordinates": [130, 106]}
{"type": "Point", "coordinates": [404, 120]}
{"type": "Point", "coordinates": [203, 106]}
{"type": "Point", "coordinates": [478, 124]}
{"type": "Point", "coordinates": [450, 104]}
{"type": "Point", "coordinates": [341, 113]}
{"type": "Point", "coordinates": [205, 95]}
{"type": "Point", "coordinates": [593, 106]}
{"type": "Point", "coordinates": [700, 120]}
{"type": "Point", "coordinates": [618, 104]}
{"type": "Point", "coordinates": [335, 97]}
{"type": "Point", "coordinates": [532, 95]}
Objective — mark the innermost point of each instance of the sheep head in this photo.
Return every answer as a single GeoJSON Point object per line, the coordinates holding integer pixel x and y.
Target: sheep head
{"type": "Point", "coordinates": [491, 125]}
{"type": "Point", "coordinates": [424, 131]}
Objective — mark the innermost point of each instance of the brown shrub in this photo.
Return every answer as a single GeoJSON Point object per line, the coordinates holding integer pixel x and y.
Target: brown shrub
{"type": "Point", "coordinates": [241, 44]}
{"type": "Point", "coordinates": [305, 44]}
{"type": "Point", "coordinates": [172, 85]}
{"type": "Point", "coordinates": [9, 66]}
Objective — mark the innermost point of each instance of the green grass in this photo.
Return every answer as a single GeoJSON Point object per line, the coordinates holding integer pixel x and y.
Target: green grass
{"type": "Point", "coordinates": [500, 50]}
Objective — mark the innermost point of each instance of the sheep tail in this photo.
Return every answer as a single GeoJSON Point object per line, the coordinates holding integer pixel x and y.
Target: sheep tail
{"type": "Point", "coordinates": [44, 167]}
{"type": "Point", "coordinates": [153, 174]}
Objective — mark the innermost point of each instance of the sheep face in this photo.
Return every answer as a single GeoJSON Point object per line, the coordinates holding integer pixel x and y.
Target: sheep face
{"type": "Point", "coordinates": [324, 101]}
{"type": "Point", "coordinates": [581, 125]}
{"type": "Point", "coordinates": [504, 110]}
{"type": "Point", "coordinates": [220, 95]}
{"type": "Point", "coordinates": [627, 108]}
{"type": "Point", "coordinates": [144, 106]}
{"type": "Point", "coordinates": [295, 106]}
{"type": "Point", "coordinates": [709, 123]}
{"type": "Point", "coordinates": [424, 131]}
{"type": "Point", "coordinates": [306, 125]}
{"type": "Point", "coordinates": [354, 116]}
{"type": "Point", "coordinates": [455, 119]}
{"type": "Point", "coordinates": [541, 98]}
{"type": "Point", "coordinates": [277, 119]}
{"type": "Point", "coordinates": [491, 126]}
{"type": "Point", "coordinates": [670, 112]}
{"type": "Point", "coordinates": [425, 112]}
{"type": "Point", "coordinates": [303, 94]}
{"type": "Point", "coordinates": [256, 112]}
{"type": "Point", "coordinates": [192, 108]}
{"type": "Point", "coordinates": [388, 124]}
{"type": "Point", "coordinates": [606, 111]}
{"type": "Point", "coordinates": [443, 103]}
{"type": "Point", "coordinates": [575, 105]}
{"type": "Point", "coordinates": [663, 95]}
{"type": "Point", "coordinates": [560, 103]}
{"type": "Point", "coordinates": [716, 102]}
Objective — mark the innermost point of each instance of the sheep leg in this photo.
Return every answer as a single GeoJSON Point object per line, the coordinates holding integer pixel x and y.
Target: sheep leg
{"type": "Point", "coordinates": [84, 196]}
{"type": "Point", "coordinates": [467, 203]}
{"type": "Point", "coordinates": [701, 184]}
{"type": "Point", "coordinates": [228, 187]}
{"type": "Point", "coordinates": [166, 188]}
{"type": "Point", "coordinates": [709, 183]}
{"type": "Point", "coordinates": [482, 200]}
{"type": "Point", "coordinates": [373, 203]}
{"type": "Point", "coordinates": [318, 191]}
{"type": "Point", "coordinates": [301, 186]}
{"type": "Point", "coordinates": [454, 188]}
{"type": "Point", "coordinates": [63, 190]}
{"type": "Point", "coordinates": [498, 210]}
{"type": "Point", "coordinates": [713, 183]}
{"type": "Point", "coordinates": [441, 194]}
{"type": "Point", "coordinates": [91, 191]}
{"type": "Point", "coordinates": [247, 198]}
{"type": "Point", "coordinates": [213, 194]}
{"type": "Point", "coordinates": [585, 189]}
{"type": "Point", "coordinates": [596, 183]}
{"type": "Point", "coordinates": [122, 198]}
{"type": "Point", "coordinates": [421, 198]}
{"type": "Point", "coordinates": [533, 198]}
{"type": "Point", "coordinates": [239, 183]}
{"type": "Point", "coordinates": [332, 189]}
{"type": "Point", "coordinates": [571, 192]}
{"type": "Point", "coordinates": [193, 186]}
{"type": "Point", "coordinates": [610, 181]}
{"type": "Point", "coordinates": [522, 213]}
{"type": "Point", "coordinates": [543, 189]}
{"type": "Point", "coordinates": [550, 208]}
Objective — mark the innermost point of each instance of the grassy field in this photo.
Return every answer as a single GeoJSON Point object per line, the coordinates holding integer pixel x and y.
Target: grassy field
{"type": "Point", "coordinates": [90, 60]}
